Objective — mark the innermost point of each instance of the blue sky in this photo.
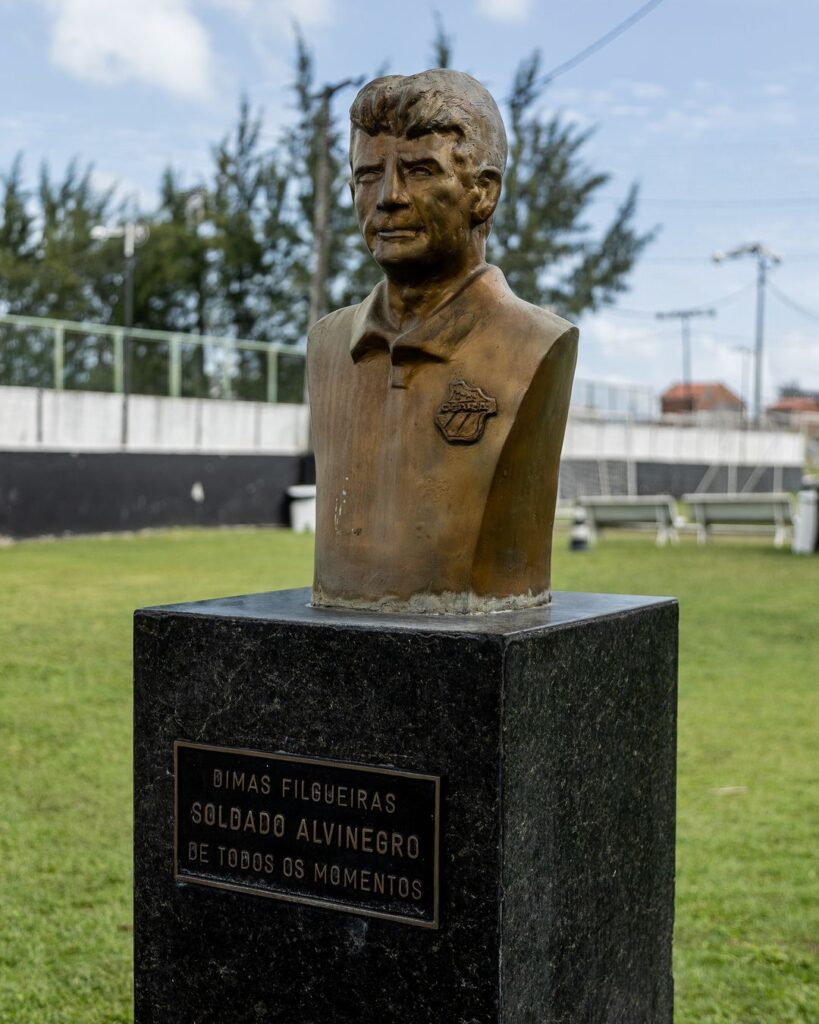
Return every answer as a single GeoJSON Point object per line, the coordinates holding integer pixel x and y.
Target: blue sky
{"type": "Point", "coordinates": [710, 104]}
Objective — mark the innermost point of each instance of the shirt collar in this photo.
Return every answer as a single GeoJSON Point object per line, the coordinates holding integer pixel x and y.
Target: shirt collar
{"type": "Point", "coordinates": [434, 339]}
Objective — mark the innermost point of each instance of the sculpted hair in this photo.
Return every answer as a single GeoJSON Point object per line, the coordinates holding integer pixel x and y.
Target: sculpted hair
{"type": "Point", "coordinates": [438, 101]}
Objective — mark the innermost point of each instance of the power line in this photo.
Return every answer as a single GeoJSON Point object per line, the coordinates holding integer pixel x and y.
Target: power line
{"type": "Point", "coordinates": [735, 294]}
{"type": "Point", "coordinates": [707, 259]}
{"type": "Point", "coordinates": [717, 147]}
{"type": "Point", "coordinates": [604, 40]}
{"type": "Point", "coordinates": [740, 203]}
{"type": "Point", "coordinates": [676, 259]}
{"type": "Point", "coordinates": [790, 302]}
{"type": "Point", "coordinates": [651, 314]}
{"type": "Point", "coordinates": [685, 316]}
{"type": "Point", "coordinates": [731, 203]}
{"type": "Point", "coordinates": [765, 260]}
{"type": "Point", "coordinates": [728, 336]}
{"type": "Point", "coordinates": [638, 313]}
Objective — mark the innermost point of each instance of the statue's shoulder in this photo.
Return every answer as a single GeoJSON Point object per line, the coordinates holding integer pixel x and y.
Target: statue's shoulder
{"type": "Point", "coordinates": [336, 328]}
{"type": "Point", "coordinates": [535, 328]}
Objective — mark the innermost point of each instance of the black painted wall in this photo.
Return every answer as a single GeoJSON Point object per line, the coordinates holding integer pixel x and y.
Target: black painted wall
{"type": "Point", "coordinates": [585, 476]}
{"type": "Point", "coordinates": [89, 492]}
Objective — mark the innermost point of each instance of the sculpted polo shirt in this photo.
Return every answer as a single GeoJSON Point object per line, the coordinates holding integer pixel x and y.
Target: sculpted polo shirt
{"type": "Point", "coordinates": [437, 450]}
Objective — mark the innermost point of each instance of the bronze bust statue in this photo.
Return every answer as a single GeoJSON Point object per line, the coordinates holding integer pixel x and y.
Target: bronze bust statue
{"type": "Point", "coordinates": [439, 403]}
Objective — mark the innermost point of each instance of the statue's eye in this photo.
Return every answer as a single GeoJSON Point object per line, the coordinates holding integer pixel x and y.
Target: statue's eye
{"type": "Point", "coordinates": [420, 172]}
{"type": "Point", "coordinates": [367, 176]}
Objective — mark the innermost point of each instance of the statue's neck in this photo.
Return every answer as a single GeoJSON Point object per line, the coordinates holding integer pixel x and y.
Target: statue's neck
{"type": "Point", "coordinates": [412, 299]}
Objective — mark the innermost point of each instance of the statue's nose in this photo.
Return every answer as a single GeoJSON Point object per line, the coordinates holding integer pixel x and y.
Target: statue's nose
{"type": "Point", "coordinates": [392, 192]}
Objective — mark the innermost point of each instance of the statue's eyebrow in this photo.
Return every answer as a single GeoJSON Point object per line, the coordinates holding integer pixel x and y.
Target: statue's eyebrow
{"type": "Point", "coordinates": [365, 168]}
{"type": "Point", "coordinates": [421, 161]}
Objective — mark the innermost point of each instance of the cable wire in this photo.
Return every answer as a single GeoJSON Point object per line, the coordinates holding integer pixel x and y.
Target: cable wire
{"type": "Point", "coordinates": [809, 313]}
{"type": "Point", "coordinates": [787, 202]}
{"type": "Point", "coordinates": [734, 295]}
{"type": "Point", "coordinates": [604, 40]}
{"type": "Point", "coordinates": [724, 300]}
{"type": "Point", "coordinates": [789, 258]}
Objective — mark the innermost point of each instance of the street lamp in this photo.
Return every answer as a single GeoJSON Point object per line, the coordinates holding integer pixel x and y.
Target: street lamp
{"type": "Point", "coordinates": [765, 259]}
{"type": "Point", "coordinates": [196, 204]}
{"type": "Point", "coordinates": [132, 235]}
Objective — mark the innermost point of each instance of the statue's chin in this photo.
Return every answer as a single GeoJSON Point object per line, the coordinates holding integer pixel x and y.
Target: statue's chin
{"type": "Point", "coordinates": [414, 268]}
{"type": "Point", "coordinates": [395, 256]}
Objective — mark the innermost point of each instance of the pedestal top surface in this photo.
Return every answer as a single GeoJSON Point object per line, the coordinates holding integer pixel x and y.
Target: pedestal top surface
{"type": "Point", "coordinates": [293, 607]}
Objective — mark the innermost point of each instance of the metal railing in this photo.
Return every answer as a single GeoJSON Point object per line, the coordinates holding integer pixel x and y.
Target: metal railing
{"type": "Point", "coordinates": [604, 400]}
{"type": "Point", "coordinates": [45, 352]}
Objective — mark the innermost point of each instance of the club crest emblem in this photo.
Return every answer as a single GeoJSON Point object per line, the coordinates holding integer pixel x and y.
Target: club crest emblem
{"type": "Point", "coordinates": [462, 417]}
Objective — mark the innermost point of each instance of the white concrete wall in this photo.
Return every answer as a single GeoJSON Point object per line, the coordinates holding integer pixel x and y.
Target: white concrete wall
{"type": "Point", "coordinates": [18, 417]}
{"type": "Point", "coordinates": [81, 420]}
{"type": "Point", "coordinates": [91, 421]}
{"type": "Point", "coordinates": [650, 442]}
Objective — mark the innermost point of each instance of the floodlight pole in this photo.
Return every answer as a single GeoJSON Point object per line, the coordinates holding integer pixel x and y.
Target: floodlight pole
{"type": "Point", "coordinates": [685, 316]}
{"type": "Point", "coordinates": [132, 235]}
{"type": "Point", "coordinates": [322, 199]}
{"type": "Point", "coordinates": [129, 246]}
{"type": "Point", "coordinates": [765, 259]}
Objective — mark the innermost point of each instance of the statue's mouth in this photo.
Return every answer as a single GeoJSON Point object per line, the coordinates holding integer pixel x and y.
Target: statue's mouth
{"type": "Point", "coordinates": [393, 234]}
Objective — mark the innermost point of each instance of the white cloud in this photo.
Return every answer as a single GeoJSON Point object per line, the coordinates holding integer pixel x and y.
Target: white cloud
{"type": "Point", "coordinates": [775, 89]}
{"type": "Point", "coordinates": [645, 90]}
{"type": "Point", "coordinates": [269, 24]}
{"type": "Point", "coordinates": [724, 119]}
{"type": "Point", "coordinates": [623, 98]}
{"type": "Point", "coordinates": [275, 16]}
{"type": "Point", "coordinates": [614, 350]}
{"type": "Point", "coordinates": [505, 10]}
{"type": "Point", "coordinates": [124, 188]}
{"type": "Point", "coordinates": [156, 42]}
{"type": "Point", "coordinates": [629, 110]}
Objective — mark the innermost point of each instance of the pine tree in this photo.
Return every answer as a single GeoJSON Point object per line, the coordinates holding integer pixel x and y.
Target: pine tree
{"type": "Point", "coordinates": [351, 272]}
{"type": "Point", "coordinates": [50, 266]}
{"type": "Point", "coordinates": [23, 360]}
{"type": "Point", "coordinates": [171, 288]}
{"type": "Point", "coordinates": [442, 44]}
{"type": "Point", "coordinates": [235, 254]}
{"type": "Point", "coordinates": [254, 247]}
{"type": "Point", "coordinates": [539, 237]}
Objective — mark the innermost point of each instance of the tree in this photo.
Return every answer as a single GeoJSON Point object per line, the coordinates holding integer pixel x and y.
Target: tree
{"type": "Point", "coordinates": [22, 361]}
{"type": "Point", "coordinates": [235, 253]}
{"type": "Point", "coordinates": [51, 266]}
{"type": "Point", "coordinates": [254, 247]}
{"type": "Point", "coordinates": [350, 272]}
{"type": "Point", "coordinates": [442, 44]}
{"type": "Point", "coordinates": [171, 288]}
{"type": "Point", "coordinates": [539, 237]}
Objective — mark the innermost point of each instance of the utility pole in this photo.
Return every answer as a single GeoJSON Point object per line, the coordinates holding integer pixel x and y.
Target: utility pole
{"type": "Point", "coordinates": [745, 352]}
{"type": "Point", "coordinates": [685, 317]}
{"type": "Point", "coordinates": [132, 235]}
{"type": "Point", "coordinates": [765, 259]}
{"type": "Point", "coordinates": [322, 199]}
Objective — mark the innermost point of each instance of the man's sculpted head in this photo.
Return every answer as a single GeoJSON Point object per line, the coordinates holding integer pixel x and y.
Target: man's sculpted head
{"type": "Point", "coordinates": [427, 153]}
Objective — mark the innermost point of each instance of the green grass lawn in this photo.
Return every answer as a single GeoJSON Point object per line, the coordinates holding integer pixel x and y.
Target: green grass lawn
{"type": "Point", "coordinates": [747, 925]}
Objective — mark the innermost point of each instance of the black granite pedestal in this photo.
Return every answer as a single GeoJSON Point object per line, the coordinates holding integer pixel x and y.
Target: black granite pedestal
{"type": "Point", "coordinates": [347, 818]}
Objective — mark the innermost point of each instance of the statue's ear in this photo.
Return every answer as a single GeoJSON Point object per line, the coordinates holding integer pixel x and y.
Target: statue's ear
{"type": "Point", "coordinates": [488, 189]}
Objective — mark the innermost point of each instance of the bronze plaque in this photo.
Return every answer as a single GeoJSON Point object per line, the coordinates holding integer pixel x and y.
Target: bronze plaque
{"type": "Point", "coordinates": [344, 836]}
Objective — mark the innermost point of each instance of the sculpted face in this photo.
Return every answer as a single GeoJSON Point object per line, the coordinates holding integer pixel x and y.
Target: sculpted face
{"type": "Point", "coordinates": [417, 204]}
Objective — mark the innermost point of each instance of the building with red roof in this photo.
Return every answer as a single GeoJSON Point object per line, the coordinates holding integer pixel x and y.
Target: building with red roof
{"type": "Point", "coordinates": [701, 398]}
